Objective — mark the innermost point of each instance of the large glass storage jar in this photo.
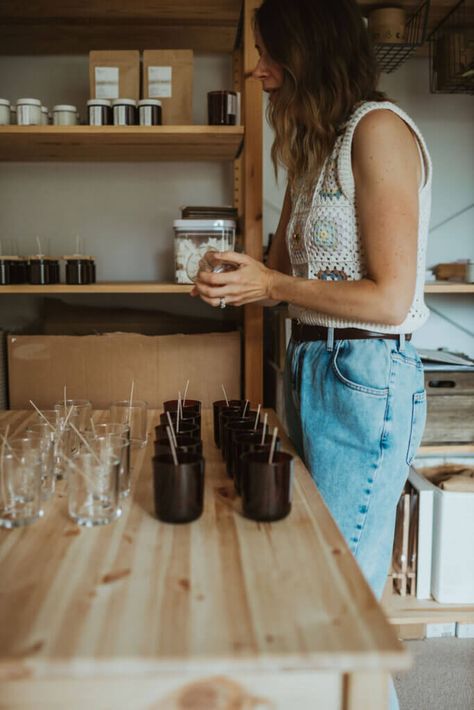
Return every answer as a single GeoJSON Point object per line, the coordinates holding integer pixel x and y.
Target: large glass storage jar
{"type": "Point", "coordinates": [193, 238]}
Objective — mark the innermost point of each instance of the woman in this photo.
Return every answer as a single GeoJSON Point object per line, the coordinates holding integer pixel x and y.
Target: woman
{"type": "Point", "coordinates": [348, 256]}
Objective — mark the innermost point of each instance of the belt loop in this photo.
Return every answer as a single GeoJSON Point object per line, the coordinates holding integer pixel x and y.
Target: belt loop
{"type": "Point", "coordinates": [401, 342]}
{"type": "Point", "coordinates": [330, 340]}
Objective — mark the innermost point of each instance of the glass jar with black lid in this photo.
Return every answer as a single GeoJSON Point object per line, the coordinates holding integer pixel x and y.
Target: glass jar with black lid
{"type": "Point", "coordinates": [43, 269]}
{"type": "Point", "coordinates": [80, 269]}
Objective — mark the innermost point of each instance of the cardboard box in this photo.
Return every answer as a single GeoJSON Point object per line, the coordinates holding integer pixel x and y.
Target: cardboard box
{"type": "Point", "coordinates": [114, 74]}
{"type": "Point", "coordinates": [101, 367]}
{"type": "Point", "coordinates": [452, 568]}
{"type": "Point", "coordinates": [168, 76]}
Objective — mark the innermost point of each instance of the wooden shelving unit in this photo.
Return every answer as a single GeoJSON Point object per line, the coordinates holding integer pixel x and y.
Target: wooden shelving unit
{"type": "Point", "coordinates": [220, 26]}
{"type": "Point", "coordinates": [75, 27]}
{"type": "Point", "coordinates": [129, 143]}
{"type": "Point", "coordinates": [104, 287]}
{"type": "Point", "coordinates": [448, 287]}
{"type": "Point", "coordinates": [408, 610]}
{"type": "Point", "coordinates": [446, 450]}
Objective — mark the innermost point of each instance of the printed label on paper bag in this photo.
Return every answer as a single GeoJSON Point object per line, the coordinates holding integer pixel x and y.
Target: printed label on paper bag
{"type": "Point", "coordinates": [106, 83]}
{"type": "Point", "coordinates": [159, 82]}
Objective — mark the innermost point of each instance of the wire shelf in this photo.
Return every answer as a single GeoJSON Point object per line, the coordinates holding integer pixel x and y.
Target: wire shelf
{"type": "Point", "coordinates": [390, 56]}
{"type": "Point", "coordinates": [452, 52]}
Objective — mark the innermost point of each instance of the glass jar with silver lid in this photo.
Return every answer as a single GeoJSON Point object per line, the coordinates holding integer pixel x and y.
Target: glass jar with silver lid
{"type": "Point", "coordinates": [99, 112]}
{"type": "Point", "coordinates": [4, 112]}
{"type": "Point", "coordinates": [64, 115]}
{"type": "Point", "coordinates": [149, 112]}
{"type": "Point", "coordinates": [28, 112]}
{"type": "Point", "coordinates": [124, 112]}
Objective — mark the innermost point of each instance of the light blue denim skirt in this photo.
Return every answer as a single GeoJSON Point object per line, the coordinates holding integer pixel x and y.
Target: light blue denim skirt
{"type": "Point", "coordinates": [356, 413]}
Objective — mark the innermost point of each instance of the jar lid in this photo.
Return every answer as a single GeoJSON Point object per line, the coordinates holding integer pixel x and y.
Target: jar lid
{"type": "Point", "coordinates": [124, 102]}
{"type": "Point", "coordinates": [99, 102]}
{"type": "Point", "coordinates": [31, 102]}
{"type": "Point", "coordinates": [4, 102]}
{"type": "Point", "coordinates": [64, 107]}
{"type": "Point", "coordinates": [149, 102]}
{"type": "Point", "coordinates": [184, 225]}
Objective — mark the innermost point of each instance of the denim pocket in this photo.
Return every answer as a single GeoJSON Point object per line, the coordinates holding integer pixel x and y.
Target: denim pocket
{"type": "Point", "coordinates": [362, 366]}
{"type": "Point", "coordinates": [418, 419]}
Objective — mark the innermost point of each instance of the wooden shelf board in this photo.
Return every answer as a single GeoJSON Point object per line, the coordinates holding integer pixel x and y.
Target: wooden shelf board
{"type": "Point", "coordinates": [448, 287]}
{"type": "Point", "coordinates": [408, 610]}
{"type": "Point", "coordinates": [75, 27]}
{"type": "Point", "coordinates": [104, 287]}
{"type": "Point", "coordinates": [445, 449]}
{"type": "Point", "coordinates": [117, 143]}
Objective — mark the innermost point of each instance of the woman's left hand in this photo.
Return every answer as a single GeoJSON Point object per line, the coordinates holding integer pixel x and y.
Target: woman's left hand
{"type": "Point", "coordinates": [248, 282]}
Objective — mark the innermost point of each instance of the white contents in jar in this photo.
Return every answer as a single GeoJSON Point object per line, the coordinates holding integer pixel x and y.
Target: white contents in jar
{"type": "Point", "coordinates": [193, 238]}
{"type": "Point", "coordinates": [64, 115]}
{"type": "Point", "coordinates": [28, 112]}
{"type": "Point", "coordinates": [4, 112]}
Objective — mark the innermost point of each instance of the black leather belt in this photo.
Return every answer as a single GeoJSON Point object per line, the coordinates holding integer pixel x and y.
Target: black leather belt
{"type": "Point", "coordinates": [301, 332]}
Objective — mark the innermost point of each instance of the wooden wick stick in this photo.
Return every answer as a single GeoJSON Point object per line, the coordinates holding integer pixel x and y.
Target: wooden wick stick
{"type": "Point", "coordinates": [65, 399]}
{"type": "Point", "coordinates": [93, 427]}
{"type": "Point", "coordinates": [130, 405]}
{"type": "Point", "coordinates": [247, 401]}
{"type": "Point", "coordinates": [225, 395]}
{"type": "Point", "coordinates": [272, 447]}
{"type": "Point", "coordinates": [67, 417]}
{"type": "Point", "coordinates": [168, 414]}
{"type": "Point", "coordinates": [173, 450]}
{"type": "Point", "coordinates": [2, 467]}
{"type": "Point", "coordinates": [185, 392]}
{"type": "Point", "coordinates": [179, 414]}
{"type": "Point", "coordinates": [42, 416]}
{"type": "Point", "coordinates": [264, 430]}
{"type": "Point", "coordinates": [257, 417]}
{"type": "Point", "coordinates": [85, 442]}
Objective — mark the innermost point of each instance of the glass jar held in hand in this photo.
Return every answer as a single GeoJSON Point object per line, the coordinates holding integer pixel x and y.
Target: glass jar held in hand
{"type": "Point", "coordinates": [228, 278]}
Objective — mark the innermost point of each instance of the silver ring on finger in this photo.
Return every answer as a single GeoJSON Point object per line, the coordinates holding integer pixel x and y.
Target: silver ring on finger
{"type": "Point", "coordinates": [222, 303]}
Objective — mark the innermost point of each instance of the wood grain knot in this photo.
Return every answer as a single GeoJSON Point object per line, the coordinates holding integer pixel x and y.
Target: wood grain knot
{"type": "Point", "coordinates": [217, 693]}
{"type": "Point", "coordinates": [72, 532]}
{"type": "Point", "coordinates": [114, 576]}
{"type": "Point", "coordinates": [184, 584]}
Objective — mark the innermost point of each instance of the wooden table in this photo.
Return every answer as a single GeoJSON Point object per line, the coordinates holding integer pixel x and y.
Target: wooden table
{"type": "Point", "coordinates": [224, 613]}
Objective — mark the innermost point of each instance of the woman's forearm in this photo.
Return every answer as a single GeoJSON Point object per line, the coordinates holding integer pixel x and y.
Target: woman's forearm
{"type": "Point", "coordinates": [362, 301]}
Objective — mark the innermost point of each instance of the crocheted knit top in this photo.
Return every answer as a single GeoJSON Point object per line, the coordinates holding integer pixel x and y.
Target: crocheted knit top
{"type": "Point", "coordinates": [323, 235]}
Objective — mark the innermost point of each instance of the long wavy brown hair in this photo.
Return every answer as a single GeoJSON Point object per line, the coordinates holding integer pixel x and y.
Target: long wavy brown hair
{"type": "Point", "coordinates": [328, 67]}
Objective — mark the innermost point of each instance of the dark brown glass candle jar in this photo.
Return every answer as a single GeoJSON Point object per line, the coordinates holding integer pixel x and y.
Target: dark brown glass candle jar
{"type": "Point", "coordinates": [266, 487]}
{"type": "Point", "coordinates": [78, 269]}
{"type": "Point", "coordinates": [43, 270]}
{"type": "Point", "coordinates": [186, 444]}
{"type": "Point", "coordinates": [246, 422]}
{"type": "Point", "coordinates": [222, 108]}
{"type": "Point", "coordinates": [217, 406]}
{"type": "Point", "coordinates": [178, 489]}
{"type": "Point", "coordinates": [188, 428]}
{"type": "Point", "coordinates": [245, 442]}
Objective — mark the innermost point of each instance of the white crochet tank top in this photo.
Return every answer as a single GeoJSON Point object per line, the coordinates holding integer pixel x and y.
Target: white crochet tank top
{"type": "Point", "coordinates": [323, 235]}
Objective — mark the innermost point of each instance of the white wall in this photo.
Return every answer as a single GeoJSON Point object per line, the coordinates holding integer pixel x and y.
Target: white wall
{"type": "Point", "coordinates": [447, 123]}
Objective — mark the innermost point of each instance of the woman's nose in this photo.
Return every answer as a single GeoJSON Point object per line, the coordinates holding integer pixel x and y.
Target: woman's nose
{"type": "Point", "coordinates": [259, 72]}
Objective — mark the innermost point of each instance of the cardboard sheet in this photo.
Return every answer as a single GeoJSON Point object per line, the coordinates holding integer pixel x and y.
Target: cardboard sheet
{"type": "Point", "coordinates": [102, 367]}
